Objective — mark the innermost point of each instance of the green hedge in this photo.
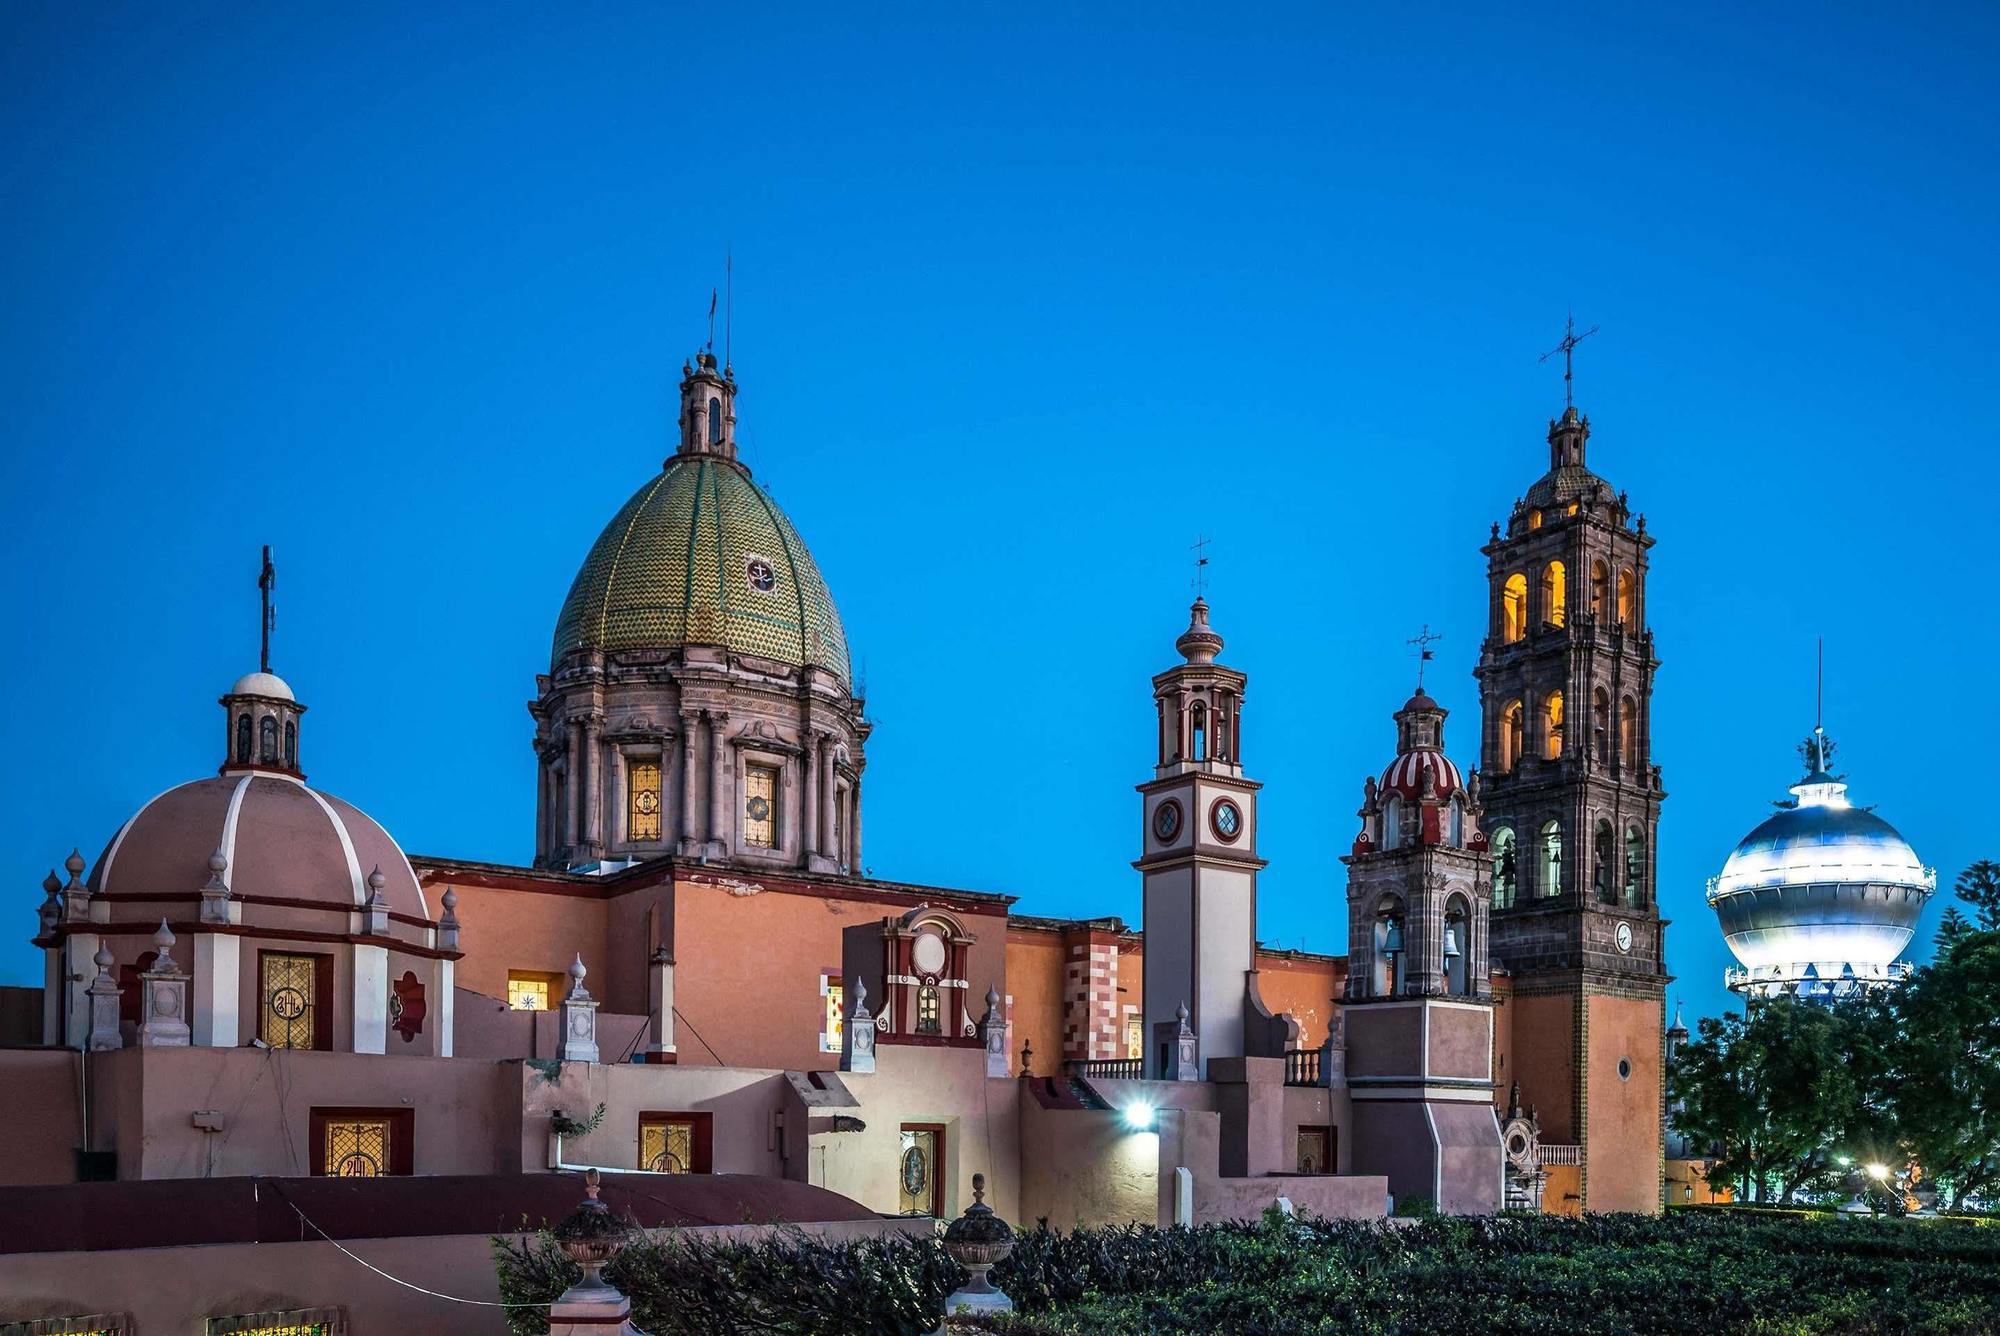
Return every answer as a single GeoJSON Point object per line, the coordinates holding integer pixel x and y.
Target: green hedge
{"type": "Point", "coordinates": [1612, 1274]}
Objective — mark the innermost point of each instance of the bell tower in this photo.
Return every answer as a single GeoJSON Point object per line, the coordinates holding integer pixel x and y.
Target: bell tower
{"type": "Point", "coordinates": [1572, 803]}
{"type": "Point", "coordinates": [1200, 863]}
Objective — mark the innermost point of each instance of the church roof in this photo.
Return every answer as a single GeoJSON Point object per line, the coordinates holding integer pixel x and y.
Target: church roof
{"type": "Point", "coordinates": [701, 556]}
{"type": "Point", "coordinates": [1563, 484]}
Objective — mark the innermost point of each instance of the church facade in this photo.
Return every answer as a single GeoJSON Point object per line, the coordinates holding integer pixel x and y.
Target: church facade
{"type": "Point", "coordinates": [700, 747]}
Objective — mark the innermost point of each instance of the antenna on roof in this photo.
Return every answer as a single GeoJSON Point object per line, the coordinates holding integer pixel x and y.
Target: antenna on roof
{"type": "Point", "coordinates": [729, 303]}
{"type": "Point", "coordinates": [1819, 690]}
{"type": "Point", "coordinates": [1568, 349]}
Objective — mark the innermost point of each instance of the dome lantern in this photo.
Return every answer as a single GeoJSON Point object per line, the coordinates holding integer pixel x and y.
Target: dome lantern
{"type": "Point", "coordinates": [708, 409]}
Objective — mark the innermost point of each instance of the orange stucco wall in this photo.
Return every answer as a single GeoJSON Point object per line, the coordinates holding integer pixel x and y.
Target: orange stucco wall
{"type": "Point", "coordinates": [747, 970]}
{"type": "Point", "coordinates": [1305, 986]}
{"type": "Point", "coordinates": [1544, 1041]}
{"type": "Point", "coordinates": [502, 930]}
{"type": "Point", "coordinates": [1622, 1135]}
{"type": "Point", "coordinates": [1034, 981]}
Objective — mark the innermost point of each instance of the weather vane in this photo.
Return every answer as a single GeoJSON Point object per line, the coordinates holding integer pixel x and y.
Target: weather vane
{"type": "Point", "coordinates": [1423, 642]}
{"type": "Point", "coordinates": [267, 580]}
{"type": "Point", "coordinates": [1200, 582]}
{"type": "Point", "coordinates": [1568, 349]}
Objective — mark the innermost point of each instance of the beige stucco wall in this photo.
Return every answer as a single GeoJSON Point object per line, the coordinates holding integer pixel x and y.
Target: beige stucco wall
{"type": "Point", "coordinates": [743, 1106]}
{"type": "Point", "coordinates": [42, 1085]}
{"type": "Point", "coordinates": [1084, 1167]}
{"type": "Point", "coordinates": [1192, 1139]}
{"type": "Point", "coordinates": [1623, 1166]}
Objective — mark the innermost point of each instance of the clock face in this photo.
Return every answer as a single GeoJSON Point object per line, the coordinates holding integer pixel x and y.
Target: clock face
{"type": "Point", "coordinates": [1624, 936]}
{"type": "Point", "coordinates": [1166, 821]}
{"type": "Point", "coordinates": [1227, 820]}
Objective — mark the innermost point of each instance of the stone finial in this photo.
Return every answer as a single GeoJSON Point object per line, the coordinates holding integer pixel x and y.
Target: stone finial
{"type": "Point", "coordinates": [1178, 1042]}
{"type": "Point", "coordinates": [993, 1034]}
{"type": "Point", "coordinates": [74, 864]}
{"type": "Point", "coordinates": [375, 914]}
{"type": "Point", "coordinates": [102, 996]}
{"type": "Point", "coordinates": [75, 894]}
{"type": "Point", "coordinates": [859, 1034]}
{"type": "Point", "coordinates": [579, 1019]}
{"type": "Point", "coordinates": [1199, 643]}
{"type": "Point", "coordinates": [448, 925]}
{"type": "Point", "coordinates": [1027, 1059]}
{"type": "Point", "coordinates": [163, 1012]}
{"type": "Point", "coordinates": [978, 1241]}
{"type": "Point", "coordinates": [50, 912]}
{"type": "Point", "coordinates": [215, 894]}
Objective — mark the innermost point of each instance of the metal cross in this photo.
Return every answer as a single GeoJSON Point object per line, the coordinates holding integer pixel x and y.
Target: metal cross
{"type": "Point", "coordinates": [1568, 349]}
{"type": "Point", "coordinates": [1423, 642]}
{"type": "Point", "coordinates": [267, 580]}
{"type": "Point", "coordinates": [1200, 582]}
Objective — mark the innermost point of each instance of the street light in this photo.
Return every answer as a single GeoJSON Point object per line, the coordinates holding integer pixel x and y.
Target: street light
{"type": "Point", "coordinates": [1879, 1172]}
{"type": "Point", "coordinates": [1138, 1116]}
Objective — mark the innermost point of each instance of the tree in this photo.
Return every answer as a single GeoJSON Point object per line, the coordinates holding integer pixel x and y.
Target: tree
{"type": "Point", "coordinates": [1951, 927]}
{"type": "Point", "coordinates": [1781, 1092]}
{"type": "Point", "coordinates": [1947, 1088]}
{"type": "Point", "coordinates": [1979, 886]}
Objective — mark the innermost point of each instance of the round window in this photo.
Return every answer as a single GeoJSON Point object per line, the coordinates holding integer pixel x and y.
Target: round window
{"type": "Point", "coordinates": [929, 953]}
{"type": "Point", "coordinates": [1226, 819]}
{"type": "Point", "coordinates": [1624, 1069]}
{"type": "Point", "coordinates": [1166, 821]}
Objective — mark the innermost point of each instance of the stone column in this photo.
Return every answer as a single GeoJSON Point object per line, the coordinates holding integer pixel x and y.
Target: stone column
{"type": "Point", "coordinates": [689, 716]}
{"type": "Point", "coordinates": [826, 800]}
{"type": "Point", "coordinates": [809, 797]}
{"type": "Point", "coordinates": [542, 791]}
{"type": "Point", "coordinates": [578, 1041]}
{"type": "Point", "coordinates": [101, 1005]}
{"type": "Point", "coordinates": [573, 799]}
{"type": "Point", "coordinates": [593, 794]}
{"type": "Point", "coordinates": [370, 1004]}
{"type": "Point", "coordinates": [660, 1005]}
{"type": "Point", "coordinates": [163, 1014]}
{"type": "Point", "coordinates": [718, 783]}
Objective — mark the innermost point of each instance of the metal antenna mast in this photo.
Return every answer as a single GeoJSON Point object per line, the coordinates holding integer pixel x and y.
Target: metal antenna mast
{"type": "Point", "coordinates": [267, 580]}
{"type": "Point", "coordinates": [1423, 642]}
{"type": "Point", "coordinates": [1200, 582]}
{"type": "Point", "coordinates": [1568, 349]}
{"type": "Point", "coordinates": [728, 304]}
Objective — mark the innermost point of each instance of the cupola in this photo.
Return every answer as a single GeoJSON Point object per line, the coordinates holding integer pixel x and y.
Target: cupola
{"type": "Point", "coordinates": [708, 408]}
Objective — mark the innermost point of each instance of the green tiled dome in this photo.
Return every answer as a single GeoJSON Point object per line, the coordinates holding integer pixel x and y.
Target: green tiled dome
{"type": "Point", "coordinates": [701, 556]}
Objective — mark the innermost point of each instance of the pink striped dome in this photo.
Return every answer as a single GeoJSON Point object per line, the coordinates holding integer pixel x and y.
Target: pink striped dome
{"type": "Point", "coordinates": [1405, 775]}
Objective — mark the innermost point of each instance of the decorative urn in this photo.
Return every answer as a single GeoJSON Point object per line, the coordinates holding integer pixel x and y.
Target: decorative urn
{"type": "Point", "coordinates": [978, 1241]}
{"type": "Point", "coordinates": [591, 1236]}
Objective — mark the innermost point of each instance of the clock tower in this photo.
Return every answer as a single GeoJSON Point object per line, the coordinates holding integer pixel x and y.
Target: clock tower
{"type": "Point", "coordinates": [1572, 804]}
{"type": "Point", "coordinates": [1200, 867]}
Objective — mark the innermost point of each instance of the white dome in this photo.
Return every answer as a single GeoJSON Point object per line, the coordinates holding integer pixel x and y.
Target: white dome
{"type": "Point", "coordinates": [262, 684]}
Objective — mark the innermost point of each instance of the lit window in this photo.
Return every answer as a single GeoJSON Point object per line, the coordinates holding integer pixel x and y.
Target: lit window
{"type": "Point", "coordinates": [1555, 593]}
{"type": "Point", "coordinates": [832, 1026]}
{"type": "Point", "coordinates": [1135, 1038]}
{"type": "Point", "coordinates": [927, 1010]}
{"type": "Point", "coordinates": [666, 1146]}
{"type": "Point", "coordinates": [1514, 608]}
{"type": "Point", "coordinates": [1534, 519]}
{"type": "Point", "coordinates": [1625, 598]}
{"type": "Point", "coordinates": [760, 806]}
{"type": "Point", "coordinates": [527, 992]}
{"type": "Point", "coordinates": [642, 817]}
{"type": "Point", "coordinates": [291, 1322]}
{"type": "Point", "coordinates": [1552, 716]}
{"type": "Point", "coordinates": [288, 1015]}
{"type": "Point", "coordinates": [355, 1147]}
{"type": "Point", "coordinates": [1600, 591]}
{"type": "Point", "coordinates": [1513, 727]}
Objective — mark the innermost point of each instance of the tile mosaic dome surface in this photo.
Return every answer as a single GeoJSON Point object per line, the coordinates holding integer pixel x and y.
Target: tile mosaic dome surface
{"type": "Point", "coordinates": [702, 556]}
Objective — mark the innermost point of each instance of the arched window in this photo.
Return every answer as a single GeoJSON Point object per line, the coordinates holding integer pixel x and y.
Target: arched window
{"type": "Point", "coordinates": [1635, 860]}
{"type": "Point", "coordinates": [1603, 858]}
{"type": "Point", "coordinates": [1514, 608]}
{"type": "Point", "coordinates": [1506, 868]}
{"type": "Point", "coordinates": [1600, 591]}
{"type": "Point", "coordinates": [1534, 519]}
{"type": "Point", "coordinates": [1552, 726]}
{"type": "Point", "coordinates": [928, 1021]}
{"type": "Point", "coordinates": [1198, 733]}
{"type": "Point", "coordinates": [1512, 736]}
{"type": "Point", "coordinates": [267, 741]}
{"type": "Point", "coordinates": [1552, 859]}
{"type": "Point", "coordinates": [1628, 733]}
{"type": "Point", "coordinates": [243, 739]}
{"type": "Point", "coordinates": [1392, 823]}
{"type": "Point", "coordinates": [1389, 953]}
{"type": "Point", "coordinates": [1457, 823]}
{"type": "Point", "coordinates": [715, 422]}
{"type": "Point", "coordinates": [1555, 593]}
{"type": "Point", "coordinates": [1627, 607]}
{"type": "Point", "coordinates": [1456, 948]}
{"type": "Point", "coordinates": [291, 745]}
{"type": "Point", "coordinates": [1600, 725]}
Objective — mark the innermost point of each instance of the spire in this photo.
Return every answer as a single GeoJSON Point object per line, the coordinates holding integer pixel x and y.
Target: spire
{"type": "Point", "coordinates": [708, 408]}
{"type": "Point", "coordinates": [263, 728]}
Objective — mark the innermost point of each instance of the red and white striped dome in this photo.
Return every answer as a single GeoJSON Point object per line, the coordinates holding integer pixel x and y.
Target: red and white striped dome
{"type": "Point", "coordinates": [1405, 775]}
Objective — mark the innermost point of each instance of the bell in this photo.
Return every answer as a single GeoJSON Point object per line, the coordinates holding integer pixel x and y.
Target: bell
{"type": "Point", "coordinates": [1392, 940]}
{"type": "Point", "coordinates": [1451, 951]}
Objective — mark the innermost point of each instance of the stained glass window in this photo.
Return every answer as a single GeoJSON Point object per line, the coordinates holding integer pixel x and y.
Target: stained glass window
{"type": "Point", "coordinates": [666, 1145]}
{"type": "Point", "coordinates": [760, 806]}
{"type": "Point", "coordinates": [927, 1010]}
{"type": "Point", "coordinates": [1135, 1037]}
{"type": "Point", "coordinates": [836, 1005]}
{"type": "Point", "coordinates": [527, 992]}
{"type": "Point", "coordinates": [917, 1188]}
{"type": "Point", "coordinates": [642, 819]}
{"type": "Point", "coordinates": [290, 989]}
{"type": "Point", "coordinates": [356, 1147]}
{"type": "Point", "coordinates": [297, 1322]}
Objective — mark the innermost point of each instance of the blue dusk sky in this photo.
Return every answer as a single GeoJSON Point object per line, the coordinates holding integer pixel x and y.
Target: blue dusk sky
{"type": "Point", "coordinates": [1023, 304]}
